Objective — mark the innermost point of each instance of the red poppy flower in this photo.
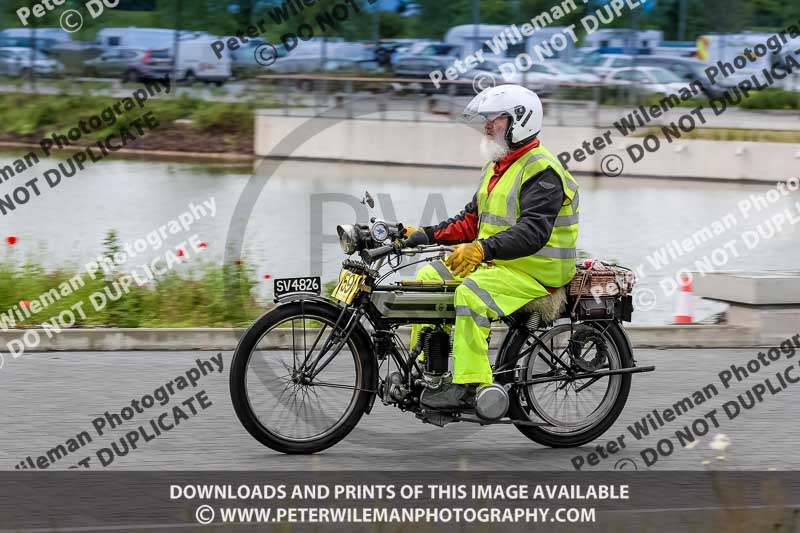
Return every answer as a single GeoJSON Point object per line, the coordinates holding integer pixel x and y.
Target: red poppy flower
{"type": "Point", "coordinates": [25, 303]}
{"type": "Point", "coordinates": [202, 244]}
{"type": "Point", "coordinates": [180, 253]}
{"type": "Point", "coordinates": [11, 240]}
{"type": "Point", "coordinates": [267, 276]}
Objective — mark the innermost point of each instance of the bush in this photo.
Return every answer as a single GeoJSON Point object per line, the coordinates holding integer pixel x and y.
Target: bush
{"type": "Point", "coordinates": [772, 99]}
{"type": "Point", "coordinates": [224, 118]}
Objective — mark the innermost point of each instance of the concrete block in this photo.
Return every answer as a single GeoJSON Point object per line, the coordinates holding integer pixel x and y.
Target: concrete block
{"type": "Point", "coordinates": [753, 288]}
{"type": "Point", "coordinates": [773, 324]}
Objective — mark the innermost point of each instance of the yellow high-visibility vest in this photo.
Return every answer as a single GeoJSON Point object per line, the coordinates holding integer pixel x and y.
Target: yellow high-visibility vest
{"type": "Point", "coordinates": [554, 264]}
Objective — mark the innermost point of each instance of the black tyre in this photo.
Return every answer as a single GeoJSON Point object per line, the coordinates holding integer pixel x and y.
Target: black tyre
{"type": "Point", "coordinates": [527, 402]}
{"type": "Point", "coordinates": [306, 86]}
{"type": "Point", "coordinates": [273, 393]}
{"type": "Point", "coordinates": [130, 76]}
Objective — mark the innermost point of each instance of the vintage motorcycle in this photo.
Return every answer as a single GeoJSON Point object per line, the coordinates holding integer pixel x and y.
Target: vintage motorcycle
{"type": "Point", "coordinates": [304, 373]}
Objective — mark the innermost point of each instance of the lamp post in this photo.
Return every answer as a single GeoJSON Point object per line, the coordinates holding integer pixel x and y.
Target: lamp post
{"type": "Point", "coordinates": [682, 20]}
{"type": "Point", "coordinates": [175, 43]}
{"type": "Point", "coordinates": [476, 20]}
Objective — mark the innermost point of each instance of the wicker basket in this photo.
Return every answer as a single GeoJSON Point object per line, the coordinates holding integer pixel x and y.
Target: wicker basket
{"type": "Point", "coordinates": [616, 281]}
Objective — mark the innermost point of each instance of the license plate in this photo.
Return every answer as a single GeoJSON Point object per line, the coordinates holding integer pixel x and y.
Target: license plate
{"type": "Point", "coordinates": [295, 285]}
{"type": "Point", "coordinates": [349, 283]}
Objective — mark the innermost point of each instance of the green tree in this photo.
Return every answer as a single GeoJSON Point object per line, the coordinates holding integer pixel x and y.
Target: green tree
{"type": "Point", "coordinates": [436, 17]}
{"type": "Point", "coordinates": [392, 25]}
{"type": "Point", "coordinates": [767, 14]}
{"type": "Point", "coordinates": [792, 13]}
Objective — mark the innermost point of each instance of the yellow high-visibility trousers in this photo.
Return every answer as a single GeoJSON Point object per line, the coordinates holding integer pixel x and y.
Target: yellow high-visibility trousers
{"type": "Point", "coordinates": [490, 292]}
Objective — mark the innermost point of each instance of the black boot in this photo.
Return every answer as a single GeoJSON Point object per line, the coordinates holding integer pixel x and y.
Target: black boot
{"type": "Point", "coordinates": [449, 396]}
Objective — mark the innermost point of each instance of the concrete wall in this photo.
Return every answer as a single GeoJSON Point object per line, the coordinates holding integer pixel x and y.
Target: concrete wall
{"type": "Point", "coordinates": [224, 339]}
{"type": "Point", "coordinates": [452, 143]}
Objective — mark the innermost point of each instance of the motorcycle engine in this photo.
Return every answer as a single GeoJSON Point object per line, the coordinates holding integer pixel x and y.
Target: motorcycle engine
{"type": "Point", "coordinates": [436, 346]}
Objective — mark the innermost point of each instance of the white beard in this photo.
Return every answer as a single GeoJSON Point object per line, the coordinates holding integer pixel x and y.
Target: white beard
{"type": "Point", "coordinates": [493, 149]}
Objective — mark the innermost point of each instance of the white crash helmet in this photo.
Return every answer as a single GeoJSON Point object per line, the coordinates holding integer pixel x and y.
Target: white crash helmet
{"type": "Point", "coordinates": [519, 103]}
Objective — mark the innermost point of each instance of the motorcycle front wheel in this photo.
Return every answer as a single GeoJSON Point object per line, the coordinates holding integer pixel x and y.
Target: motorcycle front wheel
{"type": "Point", "coordinates": [296, 385]}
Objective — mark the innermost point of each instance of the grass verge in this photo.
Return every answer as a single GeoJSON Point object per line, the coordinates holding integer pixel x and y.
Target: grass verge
{"type": "Point", "coordinates": [205, 295]}
{"type": "Point", "coordinates": [213, 126]}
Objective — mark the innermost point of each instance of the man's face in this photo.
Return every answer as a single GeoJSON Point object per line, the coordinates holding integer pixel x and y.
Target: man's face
{"type": "Point", "coordinates": [493, 144]}
{"type": "Point", "coordinates": [496, 129]}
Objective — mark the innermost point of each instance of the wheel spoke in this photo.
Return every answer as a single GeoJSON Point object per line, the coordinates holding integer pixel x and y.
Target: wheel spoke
{"type": "Point", "coordinates": [568, 405]}
{"type": "Point", "coordinates": [281, 392]}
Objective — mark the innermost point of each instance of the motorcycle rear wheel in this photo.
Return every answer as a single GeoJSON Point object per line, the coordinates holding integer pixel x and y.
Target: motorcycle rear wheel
{"type": "Point", "coordinates": [272, 402]}
{"type": "Point", "coordinates": [525, 406]}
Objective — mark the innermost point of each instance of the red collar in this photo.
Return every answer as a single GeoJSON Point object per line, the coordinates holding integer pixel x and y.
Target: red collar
{"type": "Point", "coordinates": [508, 159]}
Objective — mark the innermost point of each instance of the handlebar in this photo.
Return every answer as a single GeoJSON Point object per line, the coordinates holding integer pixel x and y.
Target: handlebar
{"type": "Point", "coordinates": [370, 256]}
{"type": "Point", "coordinates": [382, 251]}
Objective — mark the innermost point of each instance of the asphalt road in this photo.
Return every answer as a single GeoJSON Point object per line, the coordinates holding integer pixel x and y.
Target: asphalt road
{"type": "Point", "coordinates": [50, 398]}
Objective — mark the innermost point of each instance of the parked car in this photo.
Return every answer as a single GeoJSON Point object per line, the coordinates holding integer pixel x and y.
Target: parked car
{"type": "Point", "coordinates": [792, 81]}
{"type": "Point", "coordinates": [355, 66]}
{"type": "Point", "coordinates": [74, 54]}
{"type": "Point", "coordinates": [427, 48]}
{"type": "Point", "coordinates": [312, 56]}
{"type": "Point", "coordinates": [385, 51]}
{"type": "Point", "coordinates": [647, 79]}
{"type": "Point", "coordinates": [244, 58]}
{"type": "Point", "coordinates": [421, 66]}
{"type": "Point", "coordinates": [441, 49]}
{"type": "Point", "coordinates": [45, 38]}
{"type": "Point", "coordinates": [130, 64]}
{"type": "Point", "coordinates": [551, 74]}
{"type": "Point", "coordinates": [491, 68]}
{"type": "Point", "coordinates": [687, 69]}
{"type": "Point", "coordinates": [602, 64]}
{"type": "Point", "coordinates": [17, 61]}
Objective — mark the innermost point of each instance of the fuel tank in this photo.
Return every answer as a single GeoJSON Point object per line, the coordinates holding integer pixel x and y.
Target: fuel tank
{"type": "Point", "coordinates": [414, 300]}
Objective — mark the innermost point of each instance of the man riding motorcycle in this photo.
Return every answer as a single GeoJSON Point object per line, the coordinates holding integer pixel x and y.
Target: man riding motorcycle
{"type": "Point", "coordinates": [515, 241]}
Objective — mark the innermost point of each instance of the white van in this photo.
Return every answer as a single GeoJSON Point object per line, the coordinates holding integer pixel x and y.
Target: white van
{"type": "Point", "coordinates": [143, 38]}
{"type": "Point", "coordinates": [152, 38]}
{"type": "Point", "coordinates": [198, 62]}
{"type": "Point", "coordinates": [505, 42]}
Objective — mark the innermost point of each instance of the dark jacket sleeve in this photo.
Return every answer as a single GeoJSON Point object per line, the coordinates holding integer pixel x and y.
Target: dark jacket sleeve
{"type": "Point", "coordinates": [458, 229]}
{"type": "Point", "coordinates": [540, 199]}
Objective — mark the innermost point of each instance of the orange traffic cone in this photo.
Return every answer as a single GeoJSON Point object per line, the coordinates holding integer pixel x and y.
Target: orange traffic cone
{"type": "Point", "coordinates": [683, 307]}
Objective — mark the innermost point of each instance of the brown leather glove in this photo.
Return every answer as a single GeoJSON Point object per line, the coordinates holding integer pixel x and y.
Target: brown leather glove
{"type": "Point", "coordinates": [465, 258]}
